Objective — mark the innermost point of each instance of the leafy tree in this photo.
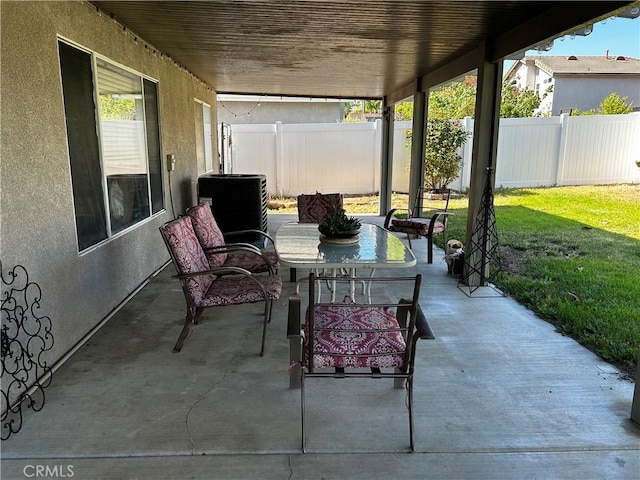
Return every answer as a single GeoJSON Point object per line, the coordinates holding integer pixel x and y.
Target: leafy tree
{"type": "Point", "coordinates": [455, 101]}
{"type": "Point", "coordinates": [373, 106]}
{"type": "Point", "coordinates": [611, 105]}
{"type": "Point", "coordinates": [615, 105]}
{"type": "Point", "coordinates": [518, 103]}
{"type": "Point", "coordinates": [404, 111]}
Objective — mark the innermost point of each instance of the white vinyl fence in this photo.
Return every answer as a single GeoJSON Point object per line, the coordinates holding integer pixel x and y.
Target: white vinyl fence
{"type": "Point", "coordinates": [305, 158]}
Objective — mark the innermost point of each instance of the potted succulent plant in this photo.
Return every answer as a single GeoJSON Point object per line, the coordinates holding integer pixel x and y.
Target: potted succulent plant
{"type": "Point", "coordinates": [336, 224]}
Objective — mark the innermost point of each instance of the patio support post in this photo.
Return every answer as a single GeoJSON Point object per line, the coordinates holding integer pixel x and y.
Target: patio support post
{"type": "Point", "coordinates": [485, 148]}
{"type": "Point", "coordinates": [418, 137]}
{"type": "Point", "coordinates": [386, 157]}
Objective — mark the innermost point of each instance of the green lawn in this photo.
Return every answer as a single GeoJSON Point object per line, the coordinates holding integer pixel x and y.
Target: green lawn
{"type": "Point", "coordinates": [572, 255]}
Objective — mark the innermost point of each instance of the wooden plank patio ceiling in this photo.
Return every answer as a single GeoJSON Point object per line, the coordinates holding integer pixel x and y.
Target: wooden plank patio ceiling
{"type": "Point", "coordinates": [338, 48]}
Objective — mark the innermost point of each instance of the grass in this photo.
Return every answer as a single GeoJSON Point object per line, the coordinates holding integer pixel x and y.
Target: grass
{"type": "Point", "coordinates": [570, 254]}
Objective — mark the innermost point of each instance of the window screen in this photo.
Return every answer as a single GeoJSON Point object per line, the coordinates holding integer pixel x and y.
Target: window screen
{"type": "Point", "coordinates": [116, 166]}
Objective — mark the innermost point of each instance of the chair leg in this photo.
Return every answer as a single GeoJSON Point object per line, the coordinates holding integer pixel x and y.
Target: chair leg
{"type": "Point", "coordinates": [267, 319]}
{"type": "Point", "coordinates": [295, 343]}
{"type": "Point", "coordinates": [198, 314]}
{"type": "Point", "coordinates": [302, 412]}
{"type": "Point", "coordinates": [429, 250]}
{"type": "Point", "coordinates": [410, 393]}
{"type": "Point", "coordinates": [409, 239]}
{"type": "Point", "coordinates": [187, 329]}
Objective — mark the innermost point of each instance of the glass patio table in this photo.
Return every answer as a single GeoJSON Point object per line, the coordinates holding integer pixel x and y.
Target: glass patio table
{"type": "Point", "coordinates": [298, 246]}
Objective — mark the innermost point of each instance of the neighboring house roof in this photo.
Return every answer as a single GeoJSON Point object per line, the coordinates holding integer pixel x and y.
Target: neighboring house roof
{"type": "Point", "coordinates": [579, 65]}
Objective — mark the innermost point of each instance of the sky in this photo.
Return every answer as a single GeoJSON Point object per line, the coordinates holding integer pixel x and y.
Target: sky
{"type": "Point", "coordinates": [621, 36]}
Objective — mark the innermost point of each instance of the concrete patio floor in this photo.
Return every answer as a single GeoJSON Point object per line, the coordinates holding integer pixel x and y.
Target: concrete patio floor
{"type": "Point", "coordinates": [499, 395]}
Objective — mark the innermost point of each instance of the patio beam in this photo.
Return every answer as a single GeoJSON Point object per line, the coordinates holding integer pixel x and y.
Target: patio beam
{"type": "Point", "coordinates": [456, 68]}
{"type": "Point", "coordinates": [401, 94]}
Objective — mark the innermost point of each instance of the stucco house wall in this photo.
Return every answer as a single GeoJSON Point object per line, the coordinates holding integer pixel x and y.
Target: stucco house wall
{"type": "Point", "coordinates": [79, 290]}
{"type": "Point", "coordinates": [257, 110]}
{"type": "Point", "coordinates": [587, 92]}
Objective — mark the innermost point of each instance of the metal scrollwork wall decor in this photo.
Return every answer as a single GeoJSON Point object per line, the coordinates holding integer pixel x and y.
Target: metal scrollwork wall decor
{"type": "Point", "coordinates": [25, 335]}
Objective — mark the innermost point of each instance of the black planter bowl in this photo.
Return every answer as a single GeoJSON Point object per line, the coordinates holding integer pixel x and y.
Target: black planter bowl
{"type": "Point", "coordinates": [329, 234]}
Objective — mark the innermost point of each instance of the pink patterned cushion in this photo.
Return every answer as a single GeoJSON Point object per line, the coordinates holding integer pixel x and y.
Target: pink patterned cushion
{"type": "Point", "coordinates": [313, 208]}
{"type": "Point", "coordinates": [416, 226]}
{"type": "Point", "coordinates": [353, 348]}
{"type": "Point", "coordinates": [235, 289]}
{"type": "Point", "coordinates": [188, 255]}
{"type": "Point", "coordinates": [208, 232]}
{"type": "Point", "coordinates": [251, 261]}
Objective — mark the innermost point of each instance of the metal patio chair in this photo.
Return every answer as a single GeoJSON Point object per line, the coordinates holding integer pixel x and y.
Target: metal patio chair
{"type": "Point", "coordinates": [204, 286]}
{"type": "Point", "coordinates": [351, 340]}
{"type": "Point", "coordinates": [419, 226]}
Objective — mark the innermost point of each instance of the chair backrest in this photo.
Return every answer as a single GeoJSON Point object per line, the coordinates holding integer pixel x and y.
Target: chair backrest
{"type": "Point", "coordinates": [187, 256]}
{"type": "Point", "coordinates": [442, 198]}
{"type": "Point", "coordinates": [313, 208]}
{"type": "Point", "coordinates": [208, 232]}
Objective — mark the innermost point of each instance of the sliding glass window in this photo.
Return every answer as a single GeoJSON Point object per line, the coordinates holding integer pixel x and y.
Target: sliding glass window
{"type": "Point", "coordinates": [119, 153]}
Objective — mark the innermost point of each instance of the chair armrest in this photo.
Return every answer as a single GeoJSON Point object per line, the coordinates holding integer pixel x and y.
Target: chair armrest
{"type": "Point", "coordinates": [216, 271]}
{"type": "Point", "coordinates": [423, 329]}
{"type": "Point", "coordinates": [233, 247]}
{"type": "Point", "coordinates": [390, 213]}
{"type": "Point", "coordinates": [242, 247]}
{"type": "Point", "coordinates": [258, 232]}
{"type": "Point", "coordinates": [434, 218]}
{"type": "Point", "coordinates": [387, 219]}
{"type": "Point", "coordinates": [442, 213]}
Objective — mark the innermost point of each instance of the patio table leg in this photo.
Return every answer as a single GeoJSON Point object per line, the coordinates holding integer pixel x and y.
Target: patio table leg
{"type": "Point", "coordinates": [295, 342]}
{"type": "Point", "coordinates": [294, 369]}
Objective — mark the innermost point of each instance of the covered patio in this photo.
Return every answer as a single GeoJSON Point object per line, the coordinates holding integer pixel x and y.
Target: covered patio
{"type": "Point", "coordinates": [499, 394]}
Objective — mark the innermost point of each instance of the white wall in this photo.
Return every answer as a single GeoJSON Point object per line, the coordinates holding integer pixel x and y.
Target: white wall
{"type": "Point", "coordinates": [531, 152]}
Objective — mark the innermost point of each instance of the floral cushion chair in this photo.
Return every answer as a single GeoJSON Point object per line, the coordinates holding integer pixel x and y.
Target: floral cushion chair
{"type": "Point", "coordinates": [355, 340]}
{"type": "Point", "coordinates": [421, 227]}
{"type": "Point", "coordinates": [204, 286]}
